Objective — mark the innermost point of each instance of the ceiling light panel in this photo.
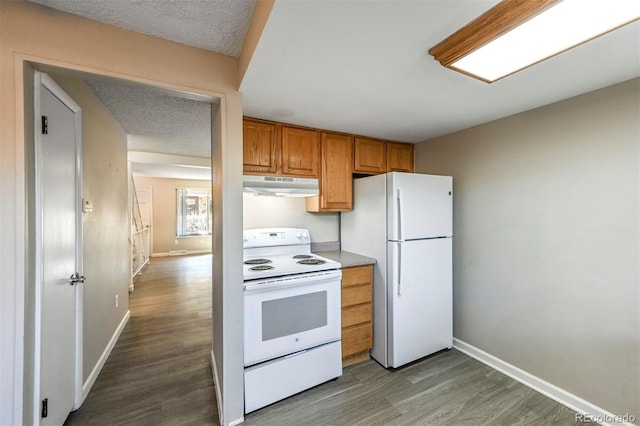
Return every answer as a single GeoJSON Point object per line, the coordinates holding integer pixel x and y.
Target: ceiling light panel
{"type": "Point", "coordinates": [560, 27]}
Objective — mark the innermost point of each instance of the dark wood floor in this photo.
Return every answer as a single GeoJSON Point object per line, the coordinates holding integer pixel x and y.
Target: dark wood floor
{"type": "Point", "coordinates": [159, 374]}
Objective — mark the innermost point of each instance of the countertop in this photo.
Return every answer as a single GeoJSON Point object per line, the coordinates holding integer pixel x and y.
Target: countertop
{"type": "Point", "coordinates": [346, 258]}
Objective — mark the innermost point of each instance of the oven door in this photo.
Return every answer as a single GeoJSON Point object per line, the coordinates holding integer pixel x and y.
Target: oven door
{"type": "Point", "coordinates": [289, 314]}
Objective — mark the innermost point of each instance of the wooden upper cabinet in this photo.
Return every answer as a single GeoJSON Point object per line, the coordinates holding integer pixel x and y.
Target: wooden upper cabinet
{"type": "Point", "coordinates": [370, 156]}
{"type": "Point", "coordinates": [260, 147]}
{"type": "Point", "coordinates": [399, 157]}
{"type": "Point", "coordinates": [336, 183]}
{"type": "Point", "coordinates": [300, 152]}
{"type": "Point", "coordinates": [274, 149]}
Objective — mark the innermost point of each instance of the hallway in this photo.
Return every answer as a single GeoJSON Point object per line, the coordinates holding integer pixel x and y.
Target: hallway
{"type": "Point", "coordinates": [159, 371]}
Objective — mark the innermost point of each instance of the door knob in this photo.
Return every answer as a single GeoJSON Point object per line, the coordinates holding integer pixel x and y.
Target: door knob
{"type": "Point", "coordinates": [76, 278]}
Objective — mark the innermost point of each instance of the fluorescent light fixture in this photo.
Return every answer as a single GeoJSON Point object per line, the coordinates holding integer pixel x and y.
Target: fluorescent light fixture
{"type": "Point", "coordinates": [516, 34]}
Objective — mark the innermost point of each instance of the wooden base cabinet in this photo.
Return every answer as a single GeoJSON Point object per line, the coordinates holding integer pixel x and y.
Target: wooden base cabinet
{"type": "Point", "coordinates": [357, 326]}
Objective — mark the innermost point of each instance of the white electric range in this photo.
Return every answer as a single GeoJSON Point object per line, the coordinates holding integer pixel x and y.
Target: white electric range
{"type": "Point", "coordinates": [291, 316]}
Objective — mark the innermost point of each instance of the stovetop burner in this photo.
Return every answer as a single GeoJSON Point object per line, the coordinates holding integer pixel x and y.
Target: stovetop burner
{"type": "Point", "coordinates": [257, 262]}
{"type": "Point", "coordinates": [311, 262]}
{"type": "Point", "coordinates": [261, 268]}
{"type": "Point", "coordinates": [272, 253]}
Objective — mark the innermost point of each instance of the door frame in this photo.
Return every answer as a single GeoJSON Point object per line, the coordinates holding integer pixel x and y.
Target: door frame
{"type": "Point", "coordinates": [226, 161]}
{"type": "Point", "coordinates": [43, 80]}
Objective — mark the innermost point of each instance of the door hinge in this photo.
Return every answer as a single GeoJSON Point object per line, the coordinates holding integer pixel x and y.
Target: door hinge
{"type": "Point", "coordinates": [45, 125]}
{"type": "Point", "coordinates": [45, 408]}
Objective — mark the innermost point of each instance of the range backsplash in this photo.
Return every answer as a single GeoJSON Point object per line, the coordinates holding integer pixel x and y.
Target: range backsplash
{"type": "Point", "coordinates": [265, 211]}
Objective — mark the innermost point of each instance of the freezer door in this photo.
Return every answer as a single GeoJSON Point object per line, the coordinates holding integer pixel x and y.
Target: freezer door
{"type": "Point", "coordinates": [420, 314]}
{"type": "Point", "coordinates": [419, 206]}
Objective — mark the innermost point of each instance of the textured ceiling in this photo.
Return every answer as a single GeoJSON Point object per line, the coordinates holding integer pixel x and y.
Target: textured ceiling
{"type": "Point", "coordinates": [214, 25]}
{"type": "Point", "coordinates": [157, 120]}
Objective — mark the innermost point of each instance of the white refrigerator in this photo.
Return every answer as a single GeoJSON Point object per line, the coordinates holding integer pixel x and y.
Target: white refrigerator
{"type": "Point", "coordinates": [405, 222]}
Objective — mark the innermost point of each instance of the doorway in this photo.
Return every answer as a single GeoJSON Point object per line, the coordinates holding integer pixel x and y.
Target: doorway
{"type": "Point", "coordinates": [105, 311]}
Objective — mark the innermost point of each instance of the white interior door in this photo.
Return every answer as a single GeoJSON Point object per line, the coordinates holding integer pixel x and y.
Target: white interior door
{"type": "Point", "coordinates": [420, 313]}
{"type": "Point", "coordinates": [58, 237]}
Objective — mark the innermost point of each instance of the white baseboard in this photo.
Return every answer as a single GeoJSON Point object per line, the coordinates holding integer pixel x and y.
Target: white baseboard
{"type": "Point", "coordinates": [562, 396]}
{"type": "Point", "coordinates": [237, 422]}
{"type": "Point", "coordinates": [216, 385]}
{"type": "Point", "coordinates": [86, 387]}
{"type": "Point", "coordinates": [216, 382]}
{"type": "Point", "coordinates": [181, 253]}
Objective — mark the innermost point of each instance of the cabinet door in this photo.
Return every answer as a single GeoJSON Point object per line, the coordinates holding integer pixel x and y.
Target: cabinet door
{"type": "Point", "coordinates": [300, 152]}
{"type": "Point", "coordinates": [370, 156]}
{"type": "Point", "coordinates": [336, 181]}
{"type": "Point", "coordinates": [399, 157]}
{"type": "Point", "coordinates": [259, 147]}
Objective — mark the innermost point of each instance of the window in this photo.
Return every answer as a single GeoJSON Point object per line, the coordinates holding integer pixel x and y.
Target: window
{"type": "Point", "coordinates": [195, 214]}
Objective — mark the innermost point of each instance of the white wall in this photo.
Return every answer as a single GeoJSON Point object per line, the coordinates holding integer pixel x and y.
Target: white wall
{"type": "Point", "coordinates": [546, 241]}
{"type": "Point", "coordinates": [228, 334]}
{"type": "Point", "coordinates": [265, 212]}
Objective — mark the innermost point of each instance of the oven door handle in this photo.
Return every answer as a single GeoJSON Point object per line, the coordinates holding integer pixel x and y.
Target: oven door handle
{"type": "Point", "coordinates": [288, 282]}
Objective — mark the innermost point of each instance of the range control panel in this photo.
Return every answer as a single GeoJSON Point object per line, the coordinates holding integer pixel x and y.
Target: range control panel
{"type": "Point", "coordinates": [268, 237]}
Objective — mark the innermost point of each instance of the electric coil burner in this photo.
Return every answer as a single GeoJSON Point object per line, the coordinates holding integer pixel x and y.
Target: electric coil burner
{"type": "Point", "coordinates": [256, 261]}
{"type": "Point", "coordinates": [311, 262]}
{"type": "Point", "coordinates": [286, 250]}
{"type": "Point", "coordinates": [261, 268]}
{"type": "Point", "coordinates": [291, 316]}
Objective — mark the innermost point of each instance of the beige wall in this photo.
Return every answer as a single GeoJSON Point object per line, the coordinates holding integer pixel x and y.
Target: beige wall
{"type": "Point", "coordinates": [546, 231]}
{"type": "Point", "coordinates": [265, 212]}
{"type": "Point", "coordinates": [106, 251]}
{"type": "Point", "coordinates": [165, 215]}
{"type": "Point", "coordinates": [30, 32]}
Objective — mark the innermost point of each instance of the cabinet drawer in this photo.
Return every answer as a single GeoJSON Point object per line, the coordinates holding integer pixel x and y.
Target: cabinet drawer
{"type": "Point", "coordinates": [356, 295]}
{"type": "Point", "coordinates": [358, 314]}
{"type": "Point", "coordinates": [357, 275]}
{"type": "Point", "coordinates": [356, 339]}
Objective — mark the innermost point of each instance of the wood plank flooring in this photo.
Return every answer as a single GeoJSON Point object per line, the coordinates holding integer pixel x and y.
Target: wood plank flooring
{"type": "Point", "coordinates": [159, 374]}
{"type": "Point", "coordinates": [448, 388]}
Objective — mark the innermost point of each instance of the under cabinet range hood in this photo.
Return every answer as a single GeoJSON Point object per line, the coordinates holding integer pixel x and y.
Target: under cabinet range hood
{"type": "Point", "coordinates": [280, 186]}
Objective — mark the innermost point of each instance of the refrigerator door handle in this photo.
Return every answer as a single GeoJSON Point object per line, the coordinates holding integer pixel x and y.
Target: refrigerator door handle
{"type": "Point", "coordinates": [399, 215]}
{"type": "Point", "coordinates": [399, 267]}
